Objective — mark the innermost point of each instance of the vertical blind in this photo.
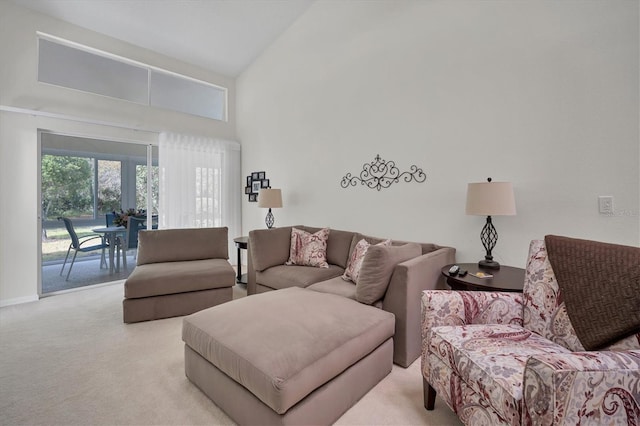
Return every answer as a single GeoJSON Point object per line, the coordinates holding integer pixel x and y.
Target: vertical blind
{"type": "Point", "coordinates": [199, 183]}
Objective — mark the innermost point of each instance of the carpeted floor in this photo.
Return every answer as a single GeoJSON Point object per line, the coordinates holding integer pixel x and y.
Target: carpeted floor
{"type": "Point", "coordinates": [69, 360]}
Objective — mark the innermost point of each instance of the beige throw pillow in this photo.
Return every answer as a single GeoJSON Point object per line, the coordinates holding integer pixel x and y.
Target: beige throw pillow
{"type": "Point", "coordinates": [357, 256]}
{"type": "Point", "coordinates": [308, 249]}
{"type": "Point", "coordinates": [377, 268]}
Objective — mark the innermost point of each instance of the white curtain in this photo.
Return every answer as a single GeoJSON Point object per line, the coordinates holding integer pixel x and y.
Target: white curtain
{"type": "Point", "coordinates": [199, 183]}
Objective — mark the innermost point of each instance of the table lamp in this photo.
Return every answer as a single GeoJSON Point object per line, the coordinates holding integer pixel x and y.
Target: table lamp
{"type": "Point", "coordinates": [490, 199]}
{"type": "Point", "coordinates": [270, 198]}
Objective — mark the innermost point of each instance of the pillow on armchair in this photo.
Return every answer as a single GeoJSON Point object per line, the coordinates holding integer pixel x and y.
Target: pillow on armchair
{"type": "Point", "coordinates": [308, 249]}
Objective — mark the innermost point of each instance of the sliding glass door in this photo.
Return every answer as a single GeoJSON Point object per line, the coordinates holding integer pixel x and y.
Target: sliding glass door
{"type": "Point", "coordinates": [83, 180]}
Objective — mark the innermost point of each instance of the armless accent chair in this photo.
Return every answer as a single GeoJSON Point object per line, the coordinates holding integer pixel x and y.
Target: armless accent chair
{"type": "Point", "coordinates": [178, 272]}
{"type": "Point", "coordinates": [80, 246]}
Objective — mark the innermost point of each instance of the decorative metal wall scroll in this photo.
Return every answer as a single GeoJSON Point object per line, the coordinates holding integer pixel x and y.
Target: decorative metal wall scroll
{"type": "Point", "coordinates": [381, 174]}
{"type": "Point", "coordinates": [255, 182]}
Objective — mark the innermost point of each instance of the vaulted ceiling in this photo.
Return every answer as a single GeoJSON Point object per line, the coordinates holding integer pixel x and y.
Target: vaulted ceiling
{"type": "Point", "coordinates": [224, 36]}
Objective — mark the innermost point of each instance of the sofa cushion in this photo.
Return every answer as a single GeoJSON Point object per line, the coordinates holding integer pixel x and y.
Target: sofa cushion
{"type": "Point", "coordinates": [355, 259]}
{"type": "Point", "coordinates": [358, 236]}
{"type": "Point", "coordinates": [336, 286]}
{"type": "Point", "coordinates": [352, 271]}
{"type": "Point", "coordinates": [278, 277]}
{"type": "Point", "coordinates": [308, 249]}
{"type": "Point", "coordinates": [426, 247]}
{"type": "Point", "coordinates": [298, 341]}
{"type": "Point", "coordinates": [178, 277]}
{"type": "Point", "coordinates": [175, 245]}
{"type": "Point", "coordinates": [269, 247]}
{"type": "Point", "coordinates": [377, 268]}
{"type": "Point", "coordinates": [338, 245]}
{"type": "Point", "coordinates": [491, 360]}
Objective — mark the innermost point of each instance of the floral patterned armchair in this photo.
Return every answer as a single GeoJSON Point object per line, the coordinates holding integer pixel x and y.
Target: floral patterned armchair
{"type": "Point", "coordinates": [514, 359]}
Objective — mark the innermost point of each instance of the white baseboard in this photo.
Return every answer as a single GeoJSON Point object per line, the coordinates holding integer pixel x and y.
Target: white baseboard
{"type": "Point", "coordinates": [19, 300]}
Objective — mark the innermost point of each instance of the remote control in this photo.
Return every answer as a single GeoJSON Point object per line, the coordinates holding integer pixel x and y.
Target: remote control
{"type": "Point", "coordinates": [454, 270]}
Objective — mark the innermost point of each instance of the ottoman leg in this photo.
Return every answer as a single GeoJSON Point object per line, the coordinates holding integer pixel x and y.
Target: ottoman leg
{"type": "Point", "coordinates": [429, 395]}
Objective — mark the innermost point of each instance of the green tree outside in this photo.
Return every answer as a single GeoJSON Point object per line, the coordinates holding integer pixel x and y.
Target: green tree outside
{"type": "Point", "coordinates": [109, 186]}
{"type": "Point", "coordinates": [67, 186]}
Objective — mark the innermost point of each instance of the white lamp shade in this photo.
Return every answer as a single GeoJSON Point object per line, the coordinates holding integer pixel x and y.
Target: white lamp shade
{"type": "Point", "coordinates": [491, 199]}
{"type": "Point", "coordinates": [271, 198]}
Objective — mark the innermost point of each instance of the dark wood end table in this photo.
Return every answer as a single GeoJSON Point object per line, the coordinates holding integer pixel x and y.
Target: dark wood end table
{"type": "Point", "coordinates": [242, 243]}
{"type": "Point", "coordinates": [507, 278]}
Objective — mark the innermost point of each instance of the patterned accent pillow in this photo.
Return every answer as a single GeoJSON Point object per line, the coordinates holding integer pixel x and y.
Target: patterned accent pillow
{"type": "Point", "coordinates": [356, 258]}
{"type": "Point", "coordinates": [308, 249]}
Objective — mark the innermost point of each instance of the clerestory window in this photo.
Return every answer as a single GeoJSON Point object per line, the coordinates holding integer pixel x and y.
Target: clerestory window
{"type": "Point", "coordinates": [66, 64]}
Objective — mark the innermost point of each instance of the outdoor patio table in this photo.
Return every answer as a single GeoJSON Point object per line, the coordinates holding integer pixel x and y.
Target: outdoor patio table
{"type": "Point", "coordinates": [111, 234]}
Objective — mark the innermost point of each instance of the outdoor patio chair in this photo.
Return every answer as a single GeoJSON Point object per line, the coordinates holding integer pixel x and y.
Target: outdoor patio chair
{"type": "Point", "coordinates": [134, 225]}
{"type": "Point", "coordinates": [79, 246]}
{"type": "Point", "coordinates": [110, 218]}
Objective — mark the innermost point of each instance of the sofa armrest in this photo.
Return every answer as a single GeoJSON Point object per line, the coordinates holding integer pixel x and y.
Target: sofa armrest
{"type": "Point", "coordinates": [402, 299]}
{"type": "Point", "coordinates": [582, 387]}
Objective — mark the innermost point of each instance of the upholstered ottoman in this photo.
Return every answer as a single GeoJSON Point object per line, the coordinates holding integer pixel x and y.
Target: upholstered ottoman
{"type": "Point", "coordinates": [291, 356]}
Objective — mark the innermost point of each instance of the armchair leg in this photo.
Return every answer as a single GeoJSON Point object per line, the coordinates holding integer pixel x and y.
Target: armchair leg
{"type": "Point", "coordinates": [429, 395]}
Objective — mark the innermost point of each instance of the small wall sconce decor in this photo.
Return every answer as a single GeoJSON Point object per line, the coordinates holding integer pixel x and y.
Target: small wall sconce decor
{"type": "Point", "coordinates": [380, 174]}
{"type": "Point", "coordinates": [255, 182]}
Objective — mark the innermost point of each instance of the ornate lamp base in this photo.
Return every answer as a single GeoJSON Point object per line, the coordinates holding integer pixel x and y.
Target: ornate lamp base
{"type": "Point", "coordinates": [489, 238]}
{"type": "Point", "coordinates": [489, 264]}
{"type": "Point", "coordinates": [269, 220]}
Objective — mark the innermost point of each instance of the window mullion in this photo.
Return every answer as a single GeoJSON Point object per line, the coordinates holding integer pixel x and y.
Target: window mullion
{"type": "Point", "coordinates": [95, 188]}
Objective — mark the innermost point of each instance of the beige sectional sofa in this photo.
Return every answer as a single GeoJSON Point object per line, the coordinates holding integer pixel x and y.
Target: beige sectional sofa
{"type": "Point", "coordinates": [178, 272]}
{"type": "Point", "coordinates": [269, 250]}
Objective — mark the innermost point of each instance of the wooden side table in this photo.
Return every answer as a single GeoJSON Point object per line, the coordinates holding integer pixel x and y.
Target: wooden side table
{"type": "Point", "coordinates": [507, 278]}
{"type": "Point", "coordinates": [242, 243]}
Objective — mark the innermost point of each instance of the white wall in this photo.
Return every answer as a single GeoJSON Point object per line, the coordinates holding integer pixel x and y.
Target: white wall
{"type": "Point", "coordinates": [540, 93]}
{"type": "Point", "coordinates": [19, 237]}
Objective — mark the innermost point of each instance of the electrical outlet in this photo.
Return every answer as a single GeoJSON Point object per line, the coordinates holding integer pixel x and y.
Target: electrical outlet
{"type": "Point", "coordinates": [605, 204]}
